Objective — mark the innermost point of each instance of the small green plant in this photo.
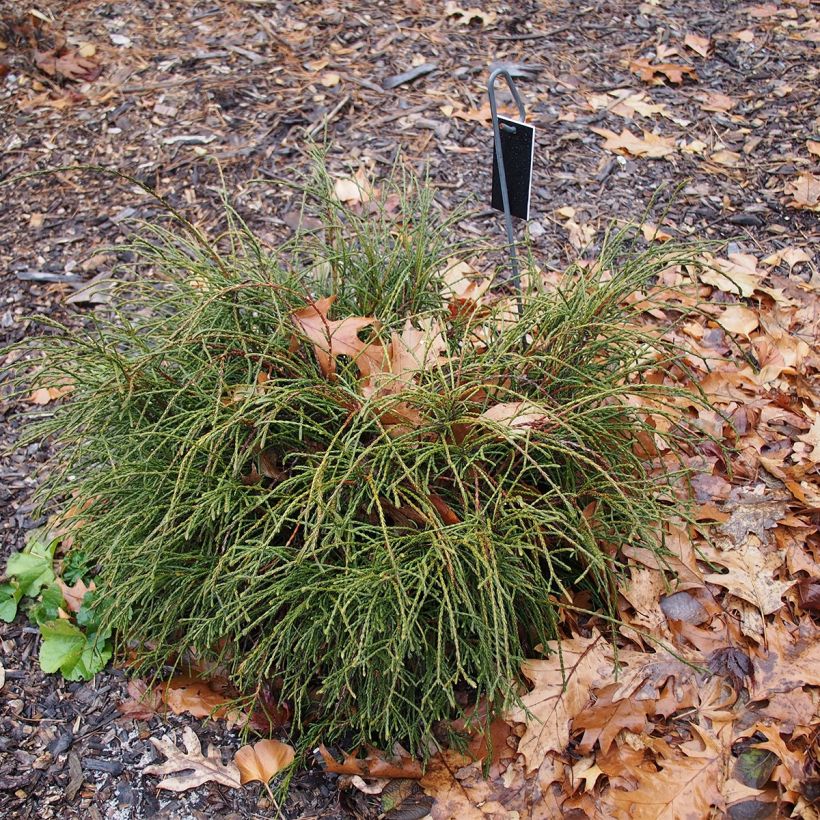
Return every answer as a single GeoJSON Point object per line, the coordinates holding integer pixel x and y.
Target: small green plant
{"type": "Point", "coordinates": [334, 473]}
{"type": "Point", "coordinates": [72, 643]}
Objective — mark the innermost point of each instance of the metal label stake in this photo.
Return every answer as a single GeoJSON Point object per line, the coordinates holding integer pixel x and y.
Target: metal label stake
{"type": "Point", "coordinates": [525, 162]}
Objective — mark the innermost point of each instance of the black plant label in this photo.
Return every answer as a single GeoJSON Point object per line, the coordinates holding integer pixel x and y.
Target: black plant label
{"type": "Point", "coordinates": [517, 147]}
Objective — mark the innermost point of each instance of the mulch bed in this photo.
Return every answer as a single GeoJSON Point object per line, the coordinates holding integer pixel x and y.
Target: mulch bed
{"type": "Point", "coordinates": [249, 83]}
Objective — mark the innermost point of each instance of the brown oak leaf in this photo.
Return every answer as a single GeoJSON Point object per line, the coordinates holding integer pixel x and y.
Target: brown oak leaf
{"type": "Point", "coordinates": [375, 764]}
{"type": "Point", "coordinates": [182, 694]}
{"type": "Point", "coordinates": [606, 717]}
{"type": "Point", "coordinates": [650, 145]}
{"type": "Point", "coordinates": [791, 662]}
{"type": "Point", "coordinates": [752, 512]}
{"type": "Point", "coordinates": [749, 576]}
{"type": "Point", "coordinates": [561, 689]}
{"type": "Point", "coordinates": [653, 74]}
{"type": "Point", "coordinates": [337, 337]}
{"type": "Point", "coordinates": [142, 703]}
{"type": "Point", "coordinates": [804, 191]}
{"type": "Point", "coordinates": [514, 414]}
{"type": "Point", "coordinates": [191, 768]}
{"type": "Point", "coordinates": [67, 64]}
{"type": "Point", "coordinates": [73, 596]}
{"type": "Point", "coordinates": [687, 786]}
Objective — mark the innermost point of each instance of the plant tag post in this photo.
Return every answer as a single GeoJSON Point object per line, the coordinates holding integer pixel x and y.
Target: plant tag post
{"type": "Point", "coordinates": [513, 150]}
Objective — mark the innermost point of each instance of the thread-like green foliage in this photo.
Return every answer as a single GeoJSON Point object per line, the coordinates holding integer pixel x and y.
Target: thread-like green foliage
{"type": "Point", "coordinates": [239, 502]}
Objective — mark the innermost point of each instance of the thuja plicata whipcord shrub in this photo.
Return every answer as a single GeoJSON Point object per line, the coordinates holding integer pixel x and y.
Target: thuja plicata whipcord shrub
{"type": "Point", "coordinates": [348, 470]}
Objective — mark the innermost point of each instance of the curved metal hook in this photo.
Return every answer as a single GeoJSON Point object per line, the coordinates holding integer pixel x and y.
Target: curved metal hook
{"type": "Point", "coordinates": [502, 72]}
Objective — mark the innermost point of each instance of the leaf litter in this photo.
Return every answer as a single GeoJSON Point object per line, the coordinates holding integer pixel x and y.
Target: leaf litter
{"type": "Point", "coordinates": [691, 657]}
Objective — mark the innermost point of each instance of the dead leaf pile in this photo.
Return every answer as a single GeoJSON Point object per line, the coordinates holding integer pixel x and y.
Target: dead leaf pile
{"type": "Point", "coordinates": [213, 699]}
{"type": "Point", "coordinates": [709, 696]}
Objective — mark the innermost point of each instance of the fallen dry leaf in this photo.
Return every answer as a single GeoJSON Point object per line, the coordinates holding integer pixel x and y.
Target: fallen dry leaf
{"type": "Point", "coordinates": [739, 319]}
{"type": "Point", "coordinates": [411, 352]}
{"type": "Point", "coordinates": [804, 191]}
{"type": "Point", "coordinates": [142, 703]}
{"type": "Point", "coordinates": [332, 338]}
{"type": "Point", "coordinates": [195, 697]}
{"type": "Point", "coordinates": [375, 764]}
{"type": "Point", "coordinates": [354, 191]}
{"type": "Point", "coordinates": [791, 256]}
{"type": "Point", "coordinates": [652, 233]}
{"type": "Point", "coordinates": [462, 281]}
{"type": "Point", "coordinates": [790, 709]}
{"type": "Point", "coordinates": [716, 101]}
{"type": "Point", "coordinates": [698, 43]}
{"type": "Point", "coordinates": [738, 274]}
{"type": "Point", "coordinates": [650, 145]}
{"type": "Point", "coordinates": [791, 662]}
{"type": "Point", "coordinates": [348, 190]}
{"type": "Point", "coordinates": [68, 64]}
{"type": "Point", "coordinates": [373, 787]}
{"type": "Point", "coordinates": [627, 103]}
{"type": "Point", "coordinates": [514, 414]}
{"type": "Point", "coordinates": [654, 74]}
{"type": "Point", "coordinates": [752, 512]}
{"type": "Point", "coordinates": [44, 395]}
{"type": "Point", "coordinates": [453, 797]}
{"type": "Point", "coordinates": [762, 10]}
{"type": "Point", "coordinates": [329, 80]}
{"type": "Point", "coordinates": [580, 236]}
{"type": "Point", "coordinates": [750, 576]}
{"type": "Point", "coordinates": [262, 760]}
{"type": "Point", "coordinates": [560, 690]}
{"type": "Point", "coordinates": [687, 786]}
{"type": "Point", "coordinates": [586, 769]}
{"type": "Point", "coordinates": [461, 791]}
{"type": "Point", "coordinates": [463, 17]}
{"type": "Point", "coordinates": [812, 438]}
{"type": "Point", "coordinates": [73, 596]}
{"type": "Point", "coordinates": [496, 740]}
{"type": "Point", "coordinates": [604, 719]}
{"type": "Point", "coordinates": [191, 768]}
{"type": "Point", "coordinates": [731, 159]}
{"type": "Point", "coordinates": [482, 115]}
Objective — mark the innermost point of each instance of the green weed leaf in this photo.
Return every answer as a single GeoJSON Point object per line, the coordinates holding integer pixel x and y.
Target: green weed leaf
{"type": "Point", "coordinates": [62, 647]}
{"type": "Point", "coordinates": [76, 568]}
{"type": "Point", "coordinates": [10, 595]}
{"type": "Point", "coordinates": [33, 568]}
{"type": "Point", "coordinates": [68, 649]}
{"type": "Point", "coordinates": [87, 616]}
{"type": "Point", "coordinates": [754, 767]}
{"type": "Point", "coordinates": [46, 609]}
